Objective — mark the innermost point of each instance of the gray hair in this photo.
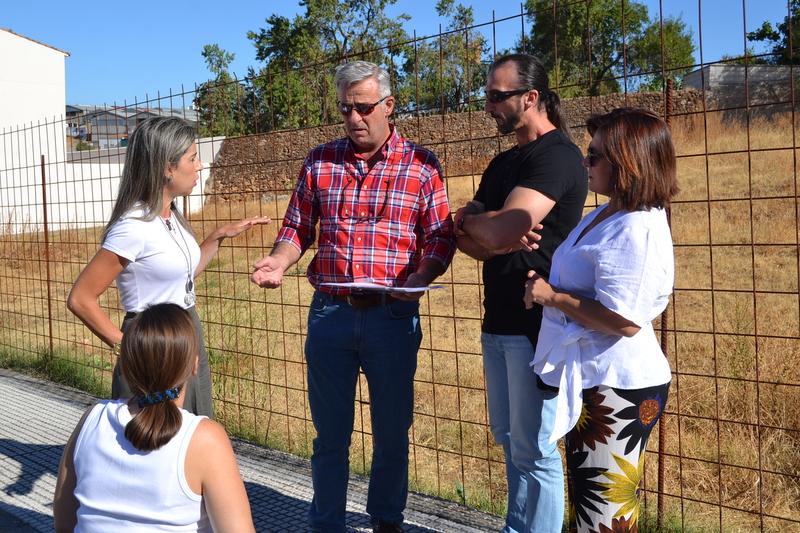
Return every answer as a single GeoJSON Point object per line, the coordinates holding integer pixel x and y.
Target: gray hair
{"type": "Point", "coordinates": [356, 71]}
{"type": "Point", "coordinates": [153, 145]}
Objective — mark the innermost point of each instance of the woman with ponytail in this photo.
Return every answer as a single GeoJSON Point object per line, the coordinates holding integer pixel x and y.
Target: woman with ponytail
{"type": "Point", "coordinates": [142, 463]}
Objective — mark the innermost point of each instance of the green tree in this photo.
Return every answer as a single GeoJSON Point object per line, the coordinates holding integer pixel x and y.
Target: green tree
{"type": "Point", "coordinates": [219, 100]}
{"type": "Point", "coordinates": [604, 46]}
{"type": "Point", "coordinates": [780, 37]}
{"type": "Point", "coordinates": [448, 72]}
{"type": "Point", "coordinates": [295, 85]}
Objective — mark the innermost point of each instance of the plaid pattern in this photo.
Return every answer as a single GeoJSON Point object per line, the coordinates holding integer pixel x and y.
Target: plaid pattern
{"type": "Point", "coordinates": [374, 226]}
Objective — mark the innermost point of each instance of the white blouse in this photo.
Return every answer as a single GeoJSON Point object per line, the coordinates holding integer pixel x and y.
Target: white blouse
{"type": "Point", "coordinates": [626, 263]}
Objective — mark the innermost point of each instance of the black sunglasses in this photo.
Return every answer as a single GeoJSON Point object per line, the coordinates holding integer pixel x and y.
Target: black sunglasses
{"type": "Point", "coordinates": [362, 109]}
{"type": "Point", "coordinates": [496, 97]}
{"type": "Point", "coordinates": [345, 203]}
{"type": "Point", "coordinates": [593, 156]}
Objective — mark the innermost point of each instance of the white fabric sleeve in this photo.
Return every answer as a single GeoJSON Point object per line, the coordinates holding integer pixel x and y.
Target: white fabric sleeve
{"type": "Point", "coordinates": [124, 240]}
{"type": "Point", "coordinates": [631, 273]}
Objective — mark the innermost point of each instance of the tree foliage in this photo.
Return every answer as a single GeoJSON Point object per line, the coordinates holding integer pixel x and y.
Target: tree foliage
{"type": "Point", "coordinates": [604, 46]}
{"type": "Point", "coordinates": [783, 38]}
{"type": "Point", "coordinates": [298, 56]}
{"type": "Point", "coordinates": [219, 100]}
{"type": "Point", "coordinates": [589, 47]}
{"type": "Point", "coordinates": [448, 72]}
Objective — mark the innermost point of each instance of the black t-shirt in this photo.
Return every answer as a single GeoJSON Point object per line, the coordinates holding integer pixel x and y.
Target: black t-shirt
{"type": "Point", "coordinates": [551, 165]}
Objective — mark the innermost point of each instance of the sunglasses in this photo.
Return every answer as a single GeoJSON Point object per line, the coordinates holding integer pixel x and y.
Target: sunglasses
{"type": "Point", "coordinates": [496, 97]}
{"type": "Point", "coordinates": [593, 156]}
{"type": "Point", "coordinates": [345, 203]}
{"type": "Point", "coordinates": [361, 109]}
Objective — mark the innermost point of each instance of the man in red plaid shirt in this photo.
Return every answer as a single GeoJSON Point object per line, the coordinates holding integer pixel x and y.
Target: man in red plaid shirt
{"type": "Point", "coordinates": [384, 219]}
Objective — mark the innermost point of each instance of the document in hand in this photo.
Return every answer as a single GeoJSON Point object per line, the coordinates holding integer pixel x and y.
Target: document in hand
{"type": "Point", "coordinates": [374, 287]}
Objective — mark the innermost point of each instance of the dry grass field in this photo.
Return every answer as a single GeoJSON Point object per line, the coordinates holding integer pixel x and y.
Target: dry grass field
{"type": "Point", "coordinates": [732, 437]}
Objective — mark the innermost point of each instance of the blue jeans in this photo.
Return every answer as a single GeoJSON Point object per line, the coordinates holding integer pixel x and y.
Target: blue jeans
{"type": "Point", "coordinates": [521, 417]}
{"type": "Point", "coordinates": [382, 341]}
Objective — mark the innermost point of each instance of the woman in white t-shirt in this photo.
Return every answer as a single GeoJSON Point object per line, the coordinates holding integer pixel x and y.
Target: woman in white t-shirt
{"type": "Point", "coordinates": [148, 246]}
{"type": "Point", "coordinates": [609, 280]}
{"type": "Point", "coordinates": [141, 464]}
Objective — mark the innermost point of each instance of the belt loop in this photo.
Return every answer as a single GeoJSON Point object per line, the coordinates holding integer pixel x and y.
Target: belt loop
{"type": "Point", "coordinates": [383, 299]}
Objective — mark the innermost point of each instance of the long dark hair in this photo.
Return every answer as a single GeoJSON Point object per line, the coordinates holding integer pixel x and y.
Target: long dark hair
{"type": "Point", "coordinates": [532, 75]}
{"type": "Point", "coordinates": [158, 353]}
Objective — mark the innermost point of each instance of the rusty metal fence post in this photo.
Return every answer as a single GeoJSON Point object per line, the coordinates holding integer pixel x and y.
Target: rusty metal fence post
{"type": "Point", "coordinates": [49, 280]}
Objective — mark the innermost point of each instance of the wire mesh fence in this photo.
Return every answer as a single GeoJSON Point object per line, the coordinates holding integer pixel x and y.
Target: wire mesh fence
{"type": "Point", "coordinates": [728, 453]}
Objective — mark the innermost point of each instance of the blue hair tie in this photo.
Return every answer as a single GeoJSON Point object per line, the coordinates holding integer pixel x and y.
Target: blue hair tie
{"type": "Point", "coordinates": [158, 397]}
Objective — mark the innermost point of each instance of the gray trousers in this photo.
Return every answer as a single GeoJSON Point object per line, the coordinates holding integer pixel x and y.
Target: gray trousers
{"type": "Point", "coordinates": [197, 398]}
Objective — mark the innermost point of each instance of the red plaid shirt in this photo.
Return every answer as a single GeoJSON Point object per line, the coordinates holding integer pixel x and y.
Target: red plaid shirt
{"type": "Point", "coordinates": [374, 226]}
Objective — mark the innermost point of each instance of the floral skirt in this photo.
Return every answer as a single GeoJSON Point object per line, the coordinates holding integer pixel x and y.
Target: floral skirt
{"type": "Point", "coordinates": [605, 457]}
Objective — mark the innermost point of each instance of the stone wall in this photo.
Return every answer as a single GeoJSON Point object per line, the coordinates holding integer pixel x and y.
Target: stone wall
{"type": "Point", "coordinates": [259, 166]}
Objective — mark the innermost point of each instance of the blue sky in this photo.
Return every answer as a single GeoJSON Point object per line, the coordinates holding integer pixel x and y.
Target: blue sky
{"type": "Point", "coordinates": [120, 53]}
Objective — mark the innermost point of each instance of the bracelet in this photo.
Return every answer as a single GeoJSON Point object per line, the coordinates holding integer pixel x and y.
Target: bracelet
{"type": "Point", "coordinates": [460, 223]}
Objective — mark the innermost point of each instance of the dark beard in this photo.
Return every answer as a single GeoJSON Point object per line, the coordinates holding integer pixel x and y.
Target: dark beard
{"type": "Point", "coordinates": [509, 124]}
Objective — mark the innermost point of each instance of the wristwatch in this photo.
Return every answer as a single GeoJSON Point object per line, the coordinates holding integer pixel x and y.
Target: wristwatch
{"type": "Point", "coordinates": [117, 348]}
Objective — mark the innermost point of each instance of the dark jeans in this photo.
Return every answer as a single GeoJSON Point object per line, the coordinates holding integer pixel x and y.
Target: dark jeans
{"type": "Point", "coordinates": [382, 341]}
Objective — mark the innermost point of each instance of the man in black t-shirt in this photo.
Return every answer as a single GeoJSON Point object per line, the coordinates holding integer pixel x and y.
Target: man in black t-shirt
{"type": "Point", "coordinates": [541, 180]}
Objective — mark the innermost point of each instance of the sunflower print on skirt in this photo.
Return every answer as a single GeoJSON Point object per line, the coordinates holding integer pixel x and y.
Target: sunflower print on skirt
{"type": "Point", "coordinates": [605, 457]}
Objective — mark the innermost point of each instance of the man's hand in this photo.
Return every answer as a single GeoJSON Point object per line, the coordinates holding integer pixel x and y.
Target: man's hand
{"type": "Point", "coordinates": [414, 280]}
{"type": "Point", "coordinates": [472, 207]}
{"type": "Point", "coordinates": [268, 273]}
{"type": "Point", "coordinates": [429, 269]}
{"type": "Point", "coordinates": [528, 243]}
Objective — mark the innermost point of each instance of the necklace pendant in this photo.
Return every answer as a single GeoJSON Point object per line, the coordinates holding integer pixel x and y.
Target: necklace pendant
{"type": "Point", "coordinates": [190, 298]}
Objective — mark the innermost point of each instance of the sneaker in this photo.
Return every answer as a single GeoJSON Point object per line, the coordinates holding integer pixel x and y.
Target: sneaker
{"type": "Point", "coordinates": [387, 527]}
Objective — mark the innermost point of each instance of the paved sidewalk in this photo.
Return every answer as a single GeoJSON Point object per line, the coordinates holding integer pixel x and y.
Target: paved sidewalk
{"type": "Point", "coordinates": [37, 417]}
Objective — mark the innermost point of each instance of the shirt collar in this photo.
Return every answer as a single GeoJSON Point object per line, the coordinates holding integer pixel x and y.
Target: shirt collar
{"type": "Point", "coordinates": [389, 148]}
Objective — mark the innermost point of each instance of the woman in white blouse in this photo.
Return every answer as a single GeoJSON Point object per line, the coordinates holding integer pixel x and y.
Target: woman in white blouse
{"type": "Point", "coordinates": [609, 280]}
{"type": "Point", "coordinates": [150, 249]}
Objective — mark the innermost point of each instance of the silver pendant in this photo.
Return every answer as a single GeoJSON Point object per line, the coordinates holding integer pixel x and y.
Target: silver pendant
{"type": "Point", "coordinates": [190, 298]}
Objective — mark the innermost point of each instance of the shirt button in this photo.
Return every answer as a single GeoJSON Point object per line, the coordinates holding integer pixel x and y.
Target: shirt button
{"type": "Point", "coordinates": [363, 214]}
{"type": "Point", "coordinates": [356, 267]}
{"type": "Point", "coordinates": [359, 239]}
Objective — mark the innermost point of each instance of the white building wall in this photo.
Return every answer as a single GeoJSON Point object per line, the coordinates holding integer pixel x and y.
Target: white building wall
{"type": "Point", "coordinates": [32, 81]}
{"type": "Point", "coordinates": [80, 189]}
{"type": "Point", "coordinates": [713, 77]}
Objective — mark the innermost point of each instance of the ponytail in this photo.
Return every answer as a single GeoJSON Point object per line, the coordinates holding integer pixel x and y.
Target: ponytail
{"type": "Point", "coordinates": [556, 115]}
{"type": "Point", "coordinates": [158, 354]}
{"type": "Point", "coordinates": [154, 426]}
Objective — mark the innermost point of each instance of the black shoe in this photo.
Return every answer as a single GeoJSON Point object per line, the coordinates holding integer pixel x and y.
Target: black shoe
{"type": "Point", "coordinates": [387, 527]}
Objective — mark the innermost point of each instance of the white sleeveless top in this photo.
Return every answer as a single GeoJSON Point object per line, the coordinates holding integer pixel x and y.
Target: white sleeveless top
{"type": "Point", "coordinates": [124, 490]}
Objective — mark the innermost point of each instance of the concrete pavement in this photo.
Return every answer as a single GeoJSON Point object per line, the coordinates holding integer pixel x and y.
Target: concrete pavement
{"type": "Point", "coordinates": [37, 417]}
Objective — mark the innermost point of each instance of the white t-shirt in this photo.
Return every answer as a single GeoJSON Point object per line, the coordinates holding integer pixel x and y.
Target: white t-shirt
{"type": "Point", "coordinates": [626, 263]}
{"type": "Point", "coordinates": [123, 490]}
{"type": "Point", "coordinates": [157, 272]}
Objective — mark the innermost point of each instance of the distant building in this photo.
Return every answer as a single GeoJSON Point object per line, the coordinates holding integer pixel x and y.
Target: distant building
{"type": "Point", "coordinates": [760, 90]}
{"type": "Point", "coordinates": [718, 76]}
{"type": "Point", "coordinates": [109, 126]}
